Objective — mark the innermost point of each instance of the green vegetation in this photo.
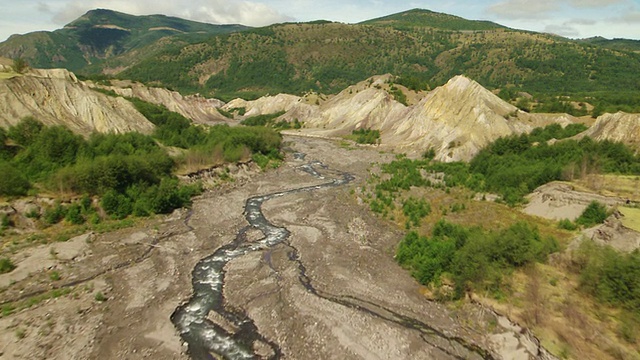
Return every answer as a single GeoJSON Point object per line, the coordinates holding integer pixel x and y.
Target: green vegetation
{"type": "Point", "coordinates": [612, 277]}
{"type": "Point", "coordinates": [423, 48]}
{"type": "Point", "coordinates": [130, 172]}
{"type": "Point", "coordinates": [99, 296]}
{"type": "Point", "coordinates": [414, 210]}
{"type": "Point", "coordinates": [365, 136]}
{"type": "Point", "coordinates": [398, 95]}
{"type": "Point", "coordinates": [594, 214]}
{"type": "Point", "coordinates": [474, 259]}
{"type": "Point", "coordinates": [84, 44]}
{"type": "Point", "coordinates": [419, 18]}
{"type": "Point", "coordinates": [19, 65]}
{"type": "Point", "coordinates": [172, 129]}
{"type": "Point", "coordinates": [262, 120]}
{"type": "Point", "coordinates": [6, 265]}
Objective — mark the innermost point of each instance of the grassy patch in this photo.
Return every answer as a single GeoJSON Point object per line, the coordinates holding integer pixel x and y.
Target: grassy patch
{"type": "Point", "coordinates": [7, 75]}
{"type": "Point", "coordinates": [631, 218]}
{"type": "Point", "coordinates": [10, 308]}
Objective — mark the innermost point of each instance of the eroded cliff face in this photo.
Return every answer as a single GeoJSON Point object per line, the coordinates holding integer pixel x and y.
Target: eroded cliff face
{"type": "Point", "coordinates": [57, 97]}
{"type": "Point", "coordinates": [623, 127]}
{"type": "Point", "coordinates": [197, 108]}
{"type": "Point", "coordinates": [456, 120]}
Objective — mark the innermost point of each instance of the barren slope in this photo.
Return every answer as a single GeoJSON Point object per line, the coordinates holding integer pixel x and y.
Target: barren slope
{"type": "Point", "coordinates": [56, 97]}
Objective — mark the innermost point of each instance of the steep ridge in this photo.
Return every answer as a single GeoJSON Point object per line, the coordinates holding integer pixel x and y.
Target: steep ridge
{"type": "Point", "coordinates": [620, 126]}
{"type": "Point", "coordinates": [101, 34]}
{"type": "Point", "coordinates": [57, 97]}
{"type": "Point", "coordinates": [456, 120]}
{"type": "Point", "coordinates": [364, 105]}
{"type": "Point", "coordinates": [195, 107]}
{"type": "Point", "coordinates": [264, 105]}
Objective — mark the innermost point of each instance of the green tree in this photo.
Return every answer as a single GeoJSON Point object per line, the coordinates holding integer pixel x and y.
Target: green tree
{"type": "Point", "coordinates": [13, 182]}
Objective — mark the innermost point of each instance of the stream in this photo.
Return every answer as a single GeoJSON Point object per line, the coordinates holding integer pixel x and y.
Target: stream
{"type": "Point", "coordinates": [205, 337]}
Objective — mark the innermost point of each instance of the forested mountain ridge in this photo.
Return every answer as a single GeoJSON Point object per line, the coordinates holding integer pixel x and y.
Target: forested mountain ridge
{"type": "Point", "coordinates": [100, 34]}
{"type": "Point", "coordinates": [424, 49]}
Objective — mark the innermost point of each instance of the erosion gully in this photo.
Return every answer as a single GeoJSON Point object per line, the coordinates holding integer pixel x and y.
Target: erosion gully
{"type": "Point", "coordinates": [205, 337]}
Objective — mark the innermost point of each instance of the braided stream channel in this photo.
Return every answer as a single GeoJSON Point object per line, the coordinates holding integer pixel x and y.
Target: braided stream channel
{"type": "Point", "coordinates": [205, 338]}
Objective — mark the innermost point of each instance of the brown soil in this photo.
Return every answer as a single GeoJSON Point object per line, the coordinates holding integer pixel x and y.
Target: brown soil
{"type": "Point", "coordinates": [365, 305]}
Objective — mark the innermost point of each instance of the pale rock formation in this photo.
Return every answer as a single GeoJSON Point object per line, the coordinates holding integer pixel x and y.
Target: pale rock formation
{"type": "Point", "coordinates": [620, 126]}
{"type": "Point", "coordinates": [264, 105]}
{"type": "Point", "coordinates": [56, 97]}
{"type": "Point", "coordinates": [456, 120]}
{"type": "Point", "coordinates": [195, 107]}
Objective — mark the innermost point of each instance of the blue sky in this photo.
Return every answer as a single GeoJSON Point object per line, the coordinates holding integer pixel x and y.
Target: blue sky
{"type": "Point", "coordinates": [571, 18]}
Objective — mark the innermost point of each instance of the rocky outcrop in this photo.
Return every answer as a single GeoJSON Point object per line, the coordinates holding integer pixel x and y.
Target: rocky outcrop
{"type": "Point", "coordinates": [264, 105]}
{"type": "Point", "coordinates": [195, 107]}
{"type": "Point", "coordinates": [456, 120]}
{"type": "Point", "coordinates": [620, 126]}
{"type": "Point", "coordinates": [57, 97]}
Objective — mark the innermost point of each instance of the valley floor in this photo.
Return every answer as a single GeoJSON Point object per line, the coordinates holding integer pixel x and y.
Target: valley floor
{"type": "Point", "coordinates": [362, 304]}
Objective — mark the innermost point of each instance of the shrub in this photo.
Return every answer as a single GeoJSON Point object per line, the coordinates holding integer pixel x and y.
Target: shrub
{"type": "Point", "coordinates": [74, 214]}
{"type": "Point", "coordinates": [13, 182]}
{"type": "Point", "coordinates": [55, 214]}
{"type": "Point", "coordinates": [6, 265]}
{"type": "Point", "coordinates": [567, 224]}
{"type": "Point", "coordinates": [594, 214]}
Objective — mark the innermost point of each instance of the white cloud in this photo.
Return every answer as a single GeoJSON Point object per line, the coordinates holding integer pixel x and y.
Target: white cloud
{"type": "Point", "coordinates": [565, 30]}
{"type": "Point", "coordinates": [213, 11]}
{"type": "Point", "coordinates": [593, 3]}
{"type": "Point", "coordinates": [632, 17]}
{"type": "Point", "coordinates": [523, 9]}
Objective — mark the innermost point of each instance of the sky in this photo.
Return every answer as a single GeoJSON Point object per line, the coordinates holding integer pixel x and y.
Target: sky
{"type": "Point", "coordinates": [570, 18]}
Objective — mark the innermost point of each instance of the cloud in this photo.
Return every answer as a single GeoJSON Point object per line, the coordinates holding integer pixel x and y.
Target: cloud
{"type": "Point", "coordinates": [593, 3]}
{"type": "Point", "coordinates": [523, 9]}
{"type": "Point", "coordinates": [632, 17]}
{"type": "Point", "coordinates": [535, 9]}
{"type": "Point", "coordinates": [44, 8]}
{"type": "Point", "coordinates": [587, 22]}
{"type": "Point", "coordinates": [212, 11]}
{"type": "Point", "coordinates": [565, 30]}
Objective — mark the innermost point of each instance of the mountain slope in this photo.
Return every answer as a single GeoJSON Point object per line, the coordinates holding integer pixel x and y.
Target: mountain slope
{"type": "Point", "coordinates": [455, 120]}
{"type": "Point", "coordinates": [425, 18]}
{"type": "Point", "coordinates": [194, 107]}
{"type": "Point", "coordinates": [101, 34]}
{"type": "Point", "coordinates": [56, 97]}
{"type": "Point", "coordinates": [425, 49]}
{"type": "Point", "coordinates": [327, 57]}
{"type": "Point", "coordinates": [620, 127]}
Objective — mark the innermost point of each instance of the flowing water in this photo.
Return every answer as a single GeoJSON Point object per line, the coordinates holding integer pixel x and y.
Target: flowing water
{"type": "Point", "coordinates": [204, 337]}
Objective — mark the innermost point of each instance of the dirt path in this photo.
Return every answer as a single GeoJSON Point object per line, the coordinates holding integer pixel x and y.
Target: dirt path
{"type": "Point", "coordinates": [331, 291]}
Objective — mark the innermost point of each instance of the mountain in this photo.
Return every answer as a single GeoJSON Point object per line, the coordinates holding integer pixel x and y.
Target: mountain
{"type": "Point", "coordinates": [57, 97]}
{"type": "Point", "coordinates": [614, 44]}
{"type": "Point", "coordinates": [423, 48]}
{"type": "Point", "coordinates": [101, 34]}
{"type": "Point", "coordinates": [425, 18]}
{"type": "Point", "coordinates": [327, 57]}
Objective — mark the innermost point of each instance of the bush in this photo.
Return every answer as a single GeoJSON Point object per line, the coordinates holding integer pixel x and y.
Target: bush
{"type": "Point", "coordinates": [13, 182]}
{"type": "Point", "coordinates": [612, 277]}
{"type": "Point", "coordinates": [6, 265]}
{"type": "Point", "coordinates": [594, 214]}
{"type": "Point", "coordinates": [74, 214]}
{"type": "Point", "coordinates": [55, 214]}
{"type": "Point", "coordinates": [475, 258]}
{"type": "Point", "coordinates": [567, 224]}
